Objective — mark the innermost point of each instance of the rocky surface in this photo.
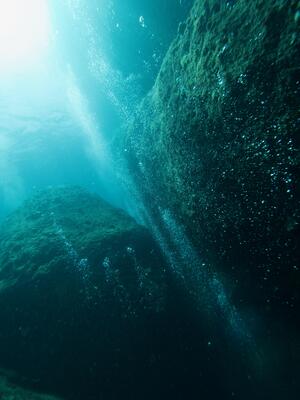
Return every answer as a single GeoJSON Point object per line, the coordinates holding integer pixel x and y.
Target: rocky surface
{"type": "Point", "coordinates": [70, 231]}
{"type": "Point", "coordinates": [89, 309]}
{"type": "Point", "coordinates": [214, 151]}
{"type": "Point", "coordinates": [216, 142]}
{"type": "Point", "coordinates": [11, 391]}
{"type": "Point", "coordinates": [80, 282]}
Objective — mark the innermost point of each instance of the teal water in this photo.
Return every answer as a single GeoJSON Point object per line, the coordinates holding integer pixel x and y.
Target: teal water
{"type": "Point", "coordinates": [61, 107]}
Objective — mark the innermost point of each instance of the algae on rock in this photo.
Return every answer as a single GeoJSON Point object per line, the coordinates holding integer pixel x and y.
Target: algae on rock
{"type": "Point", "coordinates": [11, 391]}
{"type": "Point", "coordinates": [80, 282]}
{"type": "Point", "coordinates": [216, 142]}
{"type": "Point", "coordinates": [68, 230]}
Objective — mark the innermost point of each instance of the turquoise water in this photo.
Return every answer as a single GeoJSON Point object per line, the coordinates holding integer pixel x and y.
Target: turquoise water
{"type": "Point", "coordinates": [149, 213]}
{"type": "Point", "coordinates": [62, 104]}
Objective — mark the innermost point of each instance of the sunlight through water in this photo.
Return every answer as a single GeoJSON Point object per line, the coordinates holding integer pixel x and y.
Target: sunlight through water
{"type": "Point", "coordinates": [24, 32]}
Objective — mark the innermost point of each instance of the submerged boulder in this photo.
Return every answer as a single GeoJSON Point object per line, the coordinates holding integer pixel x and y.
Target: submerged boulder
{"type": "Point", "coordinates": [9, 390]}
{"type": "Point", "coordinates": [90, 310]}
{"type": "Point", "coordinates": [71, 234]}
{"type": "Point", "coordinates": [80, 283]}
{"type": "Point", "coordinates": [214, 151]}
{"type": "Point", "coordinates": [216, 143]}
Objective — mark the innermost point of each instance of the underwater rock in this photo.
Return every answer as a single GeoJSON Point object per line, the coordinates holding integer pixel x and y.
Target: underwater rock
{"type": "Point", "coordinates": [80, 282]}
{"type": "Point", "coordinates": [11, 391]}
{"type": "Point", "coordinates": [213, 150]}
{"type": "Point", "coordinates": [89, 309]}
{"type": "Point", "coordinates": [216, 144]}
{"type": "Point", "coordinates": [70, 232]}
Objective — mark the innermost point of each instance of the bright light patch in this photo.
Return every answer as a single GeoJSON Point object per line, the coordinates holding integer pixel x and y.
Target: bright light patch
{"type": "Point", "coordinates": [24, 31]}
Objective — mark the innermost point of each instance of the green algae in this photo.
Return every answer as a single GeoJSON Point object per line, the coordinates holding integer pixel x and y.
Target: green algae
{"type": "Point", "coordinates": [12, 391]}
{"type": "Point", "coordinates": [68, 238]}
{"type": "Point", "coordinates": [31, 239]}
{"type": "Point", "coordinates": [217, 139]}
{"type": "Point", "coordinates": [74, 274]}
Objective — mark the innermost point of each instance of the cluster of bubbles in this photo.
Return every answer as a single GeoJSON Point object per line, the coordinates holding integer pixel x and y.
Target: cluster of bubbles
{"type": "Point", "coordinates": [80, 264]}
{"type": "Point", "coordinates": [204, 285]}
{"type": "Point", "coordinates": [148, 293]}
{"type": "Point", "coordinates": [118, 289]}
{"type": "Point", "coordinates": [142, 22]}
{"type": "Point", "coordinates": [145, 295]}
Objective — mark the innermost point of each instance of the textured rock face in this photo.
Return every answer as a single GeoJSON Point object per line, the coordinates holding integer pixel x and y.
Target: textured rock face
{"type": "Point", "coordinates": [80, 282]}
{"type": "Point", "coordinates": [89, 309]}
{"type": "Point", "coordinates": [68, 231]}
{"type": "Point", "coordinates": [216, 142]}
{"type": "Point", "coordinates": [10, 391]}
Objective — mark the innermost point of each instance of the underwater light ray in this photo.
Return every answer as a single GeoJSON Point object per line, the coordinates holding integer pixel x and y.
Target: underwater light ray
{"type": "Point", "coordinates": [87, 121]}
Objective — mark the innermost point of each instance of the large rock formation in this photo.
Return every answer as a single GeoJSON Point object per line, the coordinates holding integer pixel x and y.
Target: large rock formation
{"type": "Point", "coordinates": [70, 232]}
{"type": "Point", "coordinates": [216, 143]}
{"type": "Point", "coordinates": [89, 309]}
{"type": "Point", "coordinates": [80, 283]}
{"type": "Point", "coordinates": [10, 391]}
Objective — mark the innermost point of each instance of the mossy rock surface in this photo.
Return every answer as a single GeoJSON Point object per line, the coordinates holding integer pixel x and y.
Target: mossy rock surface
{"type": "Point", "coordinates": [81, 284]}
{"type": "Point", "coordinates": [66, 223]}
{"type": "Point", "coordinates": [216, 142]}
{"type": "Point", "coordinates": [11, 391]}
{"type": "Point", "coordinates": [70, 231]}
{"type": "Point", "coordinates": [90, 310]}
